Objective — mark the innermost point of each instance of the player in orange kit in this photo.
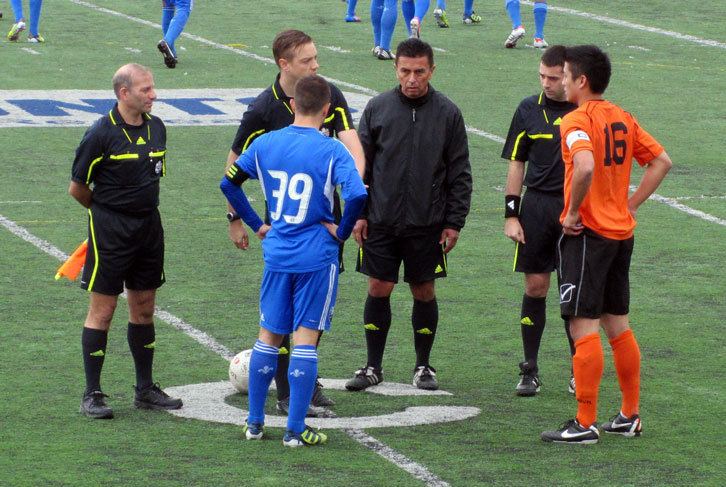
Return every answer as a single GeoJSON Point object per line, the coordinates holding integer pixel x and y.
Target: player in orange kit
{"type": "Point", "coordinates": [599, 141]}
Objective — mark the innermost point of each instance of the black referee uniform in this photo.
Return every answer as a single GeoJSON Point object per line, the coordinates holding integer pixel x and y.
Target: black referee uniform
{"type": "Point", "coordinates": [123, 163]}
{"type": "Point", "coordinates": [534, 137]}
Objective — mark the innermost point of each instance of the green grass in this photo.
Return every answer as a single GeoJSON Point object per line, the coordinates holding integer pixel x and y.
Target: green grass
{"type": "Point", "coordinates": [676, 89]}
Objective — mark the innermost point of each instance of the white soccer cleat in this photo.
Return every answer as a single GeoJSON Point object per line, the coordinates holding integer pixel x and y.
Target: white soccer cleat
{"type": "Point", "coordinates": [540, 43]}
{"type": "Point", "coordinates": [415, 28]}
{"type": "Point", "coordinates": [514, 37]}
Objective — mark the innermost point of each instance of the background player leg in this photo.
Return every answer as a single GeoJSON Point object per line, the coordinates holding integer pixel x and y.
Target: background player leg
{"type": "Point", "coordinates": [442, 20]}
{"type": "Point", "coordinates": [35, 7]}
{"type": "Point", "coordinates": [376, 14]}
{"type": "Point", "coordinates": [515, 16]}
{"type": "Point", "coordinates": [408, 9]}
{"type": "Point", "coordinates": [388, 24]}
{"type": "Point", "coordinates": [350, 15]}
{"type": "Point", "coordinates": [540, 16]}
{"type": "Point", "coordinates": [469, 16]}
{"type": "Point", "coordinates": [19, 25]}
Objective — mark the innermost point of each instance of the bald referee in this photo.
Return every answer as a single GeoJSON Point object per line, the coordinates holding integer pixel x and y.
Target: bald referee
{"type": "Point", "coordinates": [116, 174]}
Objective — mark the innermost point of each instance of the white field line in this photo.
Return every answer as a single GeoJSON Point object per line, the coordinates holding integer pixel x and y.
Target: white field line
{"type": "Point", "coordinates": [471, 130]}
{"type": "Point", "coordinates": [631, 25]}
{"type": "Point", "coordinates": [418, 471]}
{"type": "Point", "coordinates": [673, 203]}
{"type": "Point", "coordinates": [50, 249]}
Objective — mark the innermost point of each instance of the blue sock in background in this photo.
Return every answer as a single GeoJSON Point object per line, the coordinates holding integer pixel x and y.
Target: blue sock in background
{"type": "Point", "coordinates": [388, 23]}
{"type": "Point", "coordinates": [263, 363]}
{"type": "Point", "coordinates": [351, 8]}
{"type": "Point", "coordinates": [468, 7]}
{"type": "Point", "coordinates": [442, 4]}
{"type": "Point", "coordinates": [408, 9]}
{"type": "Point", "coordinates": [35, 6]}
{"type": "Point", "coordinates": [17, 6]}
{"type": "Point", "coordinates": [177, 24]}
{"type": "Point", "coordinates": [302, 374]}
{"type": "Point", "coordinates": [422, 6]}
{"type": "Point", "coordinates": [167, 13]}
{"type": "Point", "coordinates": [376, 14]}
{"type": "Point", "coordinates": [514, 14]}
{"type": "Point", "coordinates": [540, 15]}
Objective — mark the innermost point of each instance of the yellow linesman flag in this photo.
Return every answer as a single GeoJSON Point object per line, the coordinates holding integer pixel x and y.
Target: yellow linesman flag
{"type": "Point", "coordinates": [73, 265]}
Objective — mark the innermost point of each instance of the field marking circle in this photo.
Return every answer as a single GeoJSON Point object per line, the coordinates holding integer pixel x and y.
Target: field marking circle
{"type": "Point", "coordinates": [206, 402]}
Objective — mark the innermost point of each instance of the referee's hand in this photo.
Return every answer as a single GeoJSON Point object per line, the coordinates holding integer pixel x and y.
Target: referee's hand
{"type": "Point", "coordinates": [360, 231]}
{"type": "Point", "coordinates": [238, 235]}
{"type": "Point", "coordinates": [450, 237]}
{"type": "Point", "coordinates": [513, 229]}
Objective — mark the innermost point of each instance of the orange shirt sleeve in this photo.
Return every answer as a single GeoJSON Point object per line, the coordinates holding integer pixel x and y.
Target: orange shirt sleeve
{"type": "Point", "coordinates": [646, 147]}
{"type": "Point", "coordinates": [575, 130]}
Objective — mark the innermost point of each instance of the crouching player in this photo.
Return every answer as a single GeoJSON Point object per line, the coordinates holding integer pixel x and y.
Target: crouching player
{"type": "Point", "coordinates": [298, 168]}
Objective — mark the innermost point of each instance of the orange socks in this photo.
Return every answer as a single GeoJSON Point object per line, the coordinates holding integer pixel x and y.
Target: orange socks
{"type": "Point", "coordinates": [626, 354]}
{"type": "Point", "coordinates": [587, 365]}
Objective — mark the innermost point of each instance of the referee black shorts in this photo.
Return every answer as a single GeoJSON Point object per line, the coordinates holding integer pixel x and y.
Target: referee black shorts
{"type": "Point", "coordinates": [123, 250]}
{"type": "Point", "coordinates": [422, 256]}
{"type": "Point", "coordinates": [539, 216]}
{"type": "Point", "coordinates": [593, 273]}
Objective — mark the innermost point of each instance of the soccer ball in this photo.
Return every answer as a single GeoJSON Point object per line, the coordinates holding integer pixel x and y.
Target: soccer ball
{"type": "Point", "coordinates": [239, 371]}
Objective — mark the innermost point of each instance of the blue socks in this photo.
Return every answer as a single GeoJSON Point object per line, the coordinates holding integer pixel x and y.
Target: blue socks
{"type": "Point", "coordinates": [513, 11]}
{"type": "Point", "coordinates": [468, 7]}
{"type": "Point", "coordinates": [351, 8]}
{"type": "Point", "coordinates": [17, 6]}
{"type": "Point", "coordinates": [177, 23]}
{"type": "Point", "coordinates": [302, 374]}
{"type": "Point", "coordinates": [376, 14]}
{"type": "Point", "coordinates": [167, 13]}
{"type": "Point", "coordinates": [422, 6]}
{"type": "Point", "coordinates": [540, 15]}
{"type": "Point", "coordinates": [35, 6]}
{"type": "Point", "coordinates": [263, 363]}
{"type": "Point", "coordinates": [408, 9]}
{"type": "Point", "coordinates": [388, 23]}
{"type": "Point", "coordinates": [442, 4]}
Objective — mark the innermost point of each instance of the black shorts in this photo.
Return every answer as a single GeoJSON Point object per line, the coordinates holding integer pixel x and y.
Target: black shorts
{"type": "Point", "coordinates": [593, 273]}
{"type": "Point", "coordinates": [123, 249]}
{"type": "Point", "coordinates": [539, 216]}
{"type": "Point", "coordinates": [422, 256]}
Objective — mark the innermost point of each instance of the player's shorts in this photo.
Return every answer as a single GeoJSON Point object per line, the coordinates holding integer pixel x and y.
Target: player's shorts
{"type": "Point", "coordinates": [422, 255]}
{"type": "Point", "coordinates": [185, 4]}
{"type": "Point", "coordinates": [539, 216]}
{"type": "Point", "coordinates": [289, 300]}
{"type": "Point", "coordinates": [593, 273]}
{"type": "Point", "coordinates": [123, 249]}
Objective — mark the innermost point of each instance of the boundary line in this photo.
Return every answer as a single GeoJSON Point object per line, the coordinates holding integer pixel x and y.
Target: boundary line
{"type": "Point", "coordinates": [417, 470]}
{"type": "Point", "coordinates": [632, 25]}
{"type": "Point", "coordinates": [662, 199]}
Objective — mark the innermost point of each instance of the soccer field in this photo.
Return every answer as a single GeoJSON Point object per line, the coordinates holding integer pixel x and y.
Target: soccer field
{"type": "Point", "coordinates": [669, 69]}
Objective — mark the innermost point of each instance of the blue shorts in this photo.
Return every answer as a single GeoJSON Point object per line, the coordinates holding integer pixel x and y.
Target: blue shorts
{"type": "Point", "coordinates": [184, 4]}
{"type": "Point", "coordinates": [289, 300]}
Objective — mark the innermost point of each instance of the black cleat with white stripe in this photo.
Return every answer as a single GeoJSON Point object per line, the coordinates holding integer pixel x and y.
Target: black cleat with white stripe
{"type": "Point", "coordinates": [573, 432]}
{"type": "Point", "coordinates": [364, 378]}
{"type": "Point", "coordinates": [620, 425]}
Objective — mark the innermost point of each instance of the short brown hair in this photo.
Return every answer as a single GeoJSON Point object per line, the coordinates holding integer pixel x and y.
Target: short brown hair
{"type": "Point", "coordinates": [554, 56]}
{"type": "Point", "coordinates": [311, 94]}
{"type": "Point", "coordinates": [285, 43]}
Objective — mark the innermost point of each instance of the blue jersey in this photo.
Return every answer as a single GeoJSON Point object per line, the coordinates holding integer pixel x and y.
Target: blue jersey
{"type": "Point", "coordinates": [298, 168]}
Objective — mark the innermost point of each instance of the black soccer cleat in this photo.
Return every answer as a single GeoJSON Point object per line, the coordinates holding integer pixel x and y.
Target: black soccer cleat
{"type": "Point", "coordinates": [424, 377]}
{"type": "Point", "coordinates": [152, 397]}
{"type": "Point", "coordinates": [94, 405]}
{"type": "Point", "coordinates": [169, 59]}
{"type": "Point", "coordinates": [572, 432]}
{"type": "Point", "coordinates": [620, 425]}
{"type": "Point", "coordinates": [364, 378]}
{"type": "Point", "coordinates": [529, 384]}
{"type": "Point", "coordinates": [319, 399]}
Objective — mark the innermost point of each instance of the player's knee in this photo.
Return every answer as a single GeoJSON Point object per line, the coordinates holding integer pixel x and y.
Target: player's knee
{"type": "Point", "coordinates": [536, 285]}
{"type": "Point", "coordinates": [424, 291]}
{"type": "Point", "coordinates": [380, 289]}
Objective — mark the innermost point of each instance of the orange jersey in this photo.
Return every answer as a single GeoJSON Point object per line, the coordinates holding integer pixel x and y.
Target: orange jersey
{"type": "Point", "coordinates": [614, 138]}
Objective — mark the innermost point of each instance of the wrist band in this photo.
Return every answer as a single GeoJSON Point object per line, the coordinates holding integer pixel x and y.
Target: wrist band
{"type": "Point", "coordinates": [511, 206]}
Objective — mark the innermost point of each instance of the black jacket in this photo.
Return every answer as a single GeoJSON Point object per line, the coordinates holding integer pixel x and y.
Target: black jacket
{"type": "Point", "coordinates": [417, 162]}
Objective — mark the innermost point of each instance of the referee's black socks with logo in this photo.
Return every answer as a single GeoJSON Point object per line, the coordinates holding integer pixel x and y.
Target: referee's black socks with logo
{"type": "Point", "coordinates": [142, 342]}
{"type": "Point", "coordinates": [377, 322]}
{"type": "Point", "coordinates": [93, 343]}
{"type": "Point", "coordinates": [534, 315]}
{"type": "Point", "coordinates": [425, 320]}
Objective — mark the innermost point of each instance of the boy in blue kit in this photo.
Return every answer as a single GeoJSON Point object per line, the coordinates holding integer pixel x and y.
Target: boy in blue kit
{"type": "Point", "coordinates": [298, 168]}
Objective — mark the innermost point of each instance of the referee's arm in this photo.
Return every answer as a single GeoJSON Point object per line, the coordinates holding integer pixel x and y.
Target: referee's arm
{"type": "Point", "coordinates": [81, 193]}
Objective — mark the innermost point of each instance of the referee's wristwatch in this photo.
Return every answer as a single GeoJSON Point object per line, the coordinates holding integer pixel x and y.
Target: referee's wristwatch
{"type": "Point", "coordinates": [232, 216]}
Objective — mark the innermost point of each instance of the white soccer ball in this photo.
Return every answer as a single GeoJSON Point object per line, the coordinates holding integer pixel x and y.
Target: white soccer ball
{"type": "Point", "coordinates": [239, 371]}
